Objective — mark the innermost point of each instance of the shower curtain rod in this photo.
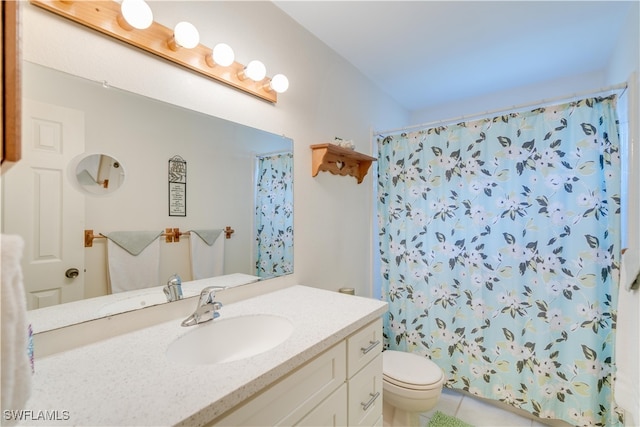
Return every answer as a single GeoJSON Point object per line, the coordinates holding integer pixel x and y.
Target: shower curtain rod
{"type": "Point", "coordinates": [613, 88]}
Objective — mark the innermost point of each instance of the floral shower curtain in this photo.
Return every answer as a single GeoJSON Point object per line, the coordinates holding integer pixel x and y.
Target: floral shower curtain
{"type": "Point", "coordinates": [499, 248]}
{"type": "Point", "coordinates": [274, 216]}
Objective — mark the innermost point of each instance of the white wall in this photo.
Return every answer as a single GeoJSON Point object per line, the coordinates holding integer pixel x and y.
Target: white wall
{"type": "Point", "coordinates": [327, 98]}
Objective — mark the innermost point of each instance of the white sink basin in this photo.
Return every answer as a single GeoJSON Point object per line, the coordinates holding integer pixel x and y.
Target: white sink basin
{"type": "Point", "coordinates": [133, 303]}
{"type": "Point", "coordinates": [225, 340]}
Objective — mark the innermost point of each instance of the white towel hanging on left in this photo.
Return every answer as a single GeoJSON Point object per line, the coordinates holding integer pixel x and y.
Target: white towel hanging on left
{"type": "Point", "coordinates": [134, 260]}
{"type": "Point", "coordinates": [16, 366]}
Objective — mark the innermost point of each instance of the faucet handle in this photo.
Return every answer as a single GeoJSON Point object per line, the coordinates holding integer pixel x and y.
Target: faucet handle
{"type": "Point", "coordinates": [209, 293]}
{"type": "Point", "coordinates": [174, 280]}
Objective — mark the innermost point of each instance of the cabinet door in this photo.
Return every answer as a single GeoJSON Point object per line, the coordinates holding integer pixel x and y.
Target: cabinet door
{"type": "Point", "coordinates": [10, 75]}
{"type": "Point", "coordinates": [364, 346]}
{"type": "Point", "coordinates": [365, 395]}
{"type": "Point", "coordinates": [331, 412]}
{"type": "Point", "coordinates": [293, 397]}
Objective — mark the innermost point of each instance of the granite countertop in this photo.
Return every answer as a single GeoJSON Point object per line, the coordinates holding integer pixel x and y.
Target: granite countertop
{"type": "Point", "coordinates": [127, 380]}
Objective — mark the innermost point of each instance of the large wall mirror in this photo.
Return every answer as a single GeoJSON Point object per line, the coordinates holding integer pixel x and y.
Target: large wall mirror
{"type": "Point", "coordinates": [142, 135]}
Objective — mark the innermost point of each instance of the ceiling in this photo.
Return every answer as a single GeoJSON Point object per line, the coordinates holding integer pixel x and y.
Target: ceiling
{"type": "Point", "coordinates": [426, 53]}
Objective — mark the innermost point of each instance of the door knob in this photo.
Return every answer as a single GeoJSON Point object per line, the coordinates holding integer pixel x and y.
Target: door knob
{"type": "Point", "coordinates": [72, 273]}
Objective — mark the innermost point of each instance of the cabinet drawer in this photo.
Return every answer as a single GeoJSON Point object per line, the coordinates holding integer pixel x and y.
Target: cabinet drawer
{"type": "Point", "coordinates": [363, 346]}
{"type": "Point", "coordinates": [365, 395]}
{"type": "Point", "coordinates": [293, 397]}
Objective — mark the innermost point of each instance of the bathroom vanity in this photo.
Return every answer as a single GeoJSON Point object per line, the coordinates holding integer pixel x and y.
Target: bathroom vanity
{"type": "Point", "coordinates": [328, 370]}
{"type": "Point", "coordinates": [340, 387]}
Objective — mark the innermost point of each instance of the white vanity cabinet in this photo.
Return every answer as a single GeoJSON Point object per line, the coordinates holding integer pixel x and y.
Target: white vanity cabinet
{"type": "Point", "coordinates": [342, 386]}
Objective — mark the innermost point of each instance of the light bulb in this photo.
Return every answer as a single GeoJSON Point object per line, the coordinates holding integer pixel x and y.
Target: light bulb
{"type": "Point", "coordinates": [136, 14]}
{"type": "Point", "coordinates": [255, 70]}
{"type": "Point", "coordinates": [184, 35]}
{"type": "Point", "coordinates": [279, 83]}
{"type": "Point", "coordinates": [222, 55]}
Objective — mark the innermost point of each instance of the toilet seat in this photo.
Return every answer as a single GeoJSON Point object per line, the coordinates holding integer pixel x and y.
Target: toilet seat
{"type": "Point", "coordinates": [410, 371]}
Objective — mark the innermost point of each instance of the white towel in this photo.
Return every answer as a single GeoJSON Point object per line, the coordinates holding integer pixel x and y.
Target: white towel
{"type": "Point", "coordinates": [627, 384]}
{"type": "Point", "coordinates": [16, 364]}
{"type": "Point", "coordinates": [128, 272]}
{"type": "Point", "coordinates": [206, 260]}
{"type": "Point", "coordinates": [629, 268]}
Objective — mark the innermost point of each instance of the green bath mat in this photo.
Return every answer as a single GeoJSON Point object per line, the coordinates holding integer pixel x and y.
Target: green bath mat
{"type": "Point", "coordinates": [442, 420]}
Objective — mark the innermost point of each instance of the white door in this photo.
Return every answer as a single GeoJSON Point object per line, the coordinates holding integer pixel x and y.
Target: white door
{"type": "Point", "coordinates": [41, 204]}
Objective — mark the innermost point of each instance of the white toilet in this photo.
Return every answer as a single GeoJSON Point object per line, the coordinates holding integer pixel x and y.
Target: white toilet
{"type": "Point", "coordinates": [411, 384]}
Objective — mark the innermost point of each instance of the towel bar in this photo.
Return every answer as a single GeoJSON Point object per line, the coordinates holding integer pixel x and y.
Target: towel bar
{"type": "Point", "coordinates": [172, 235]}
{"type": "Point", "coordinates": [176, 233]}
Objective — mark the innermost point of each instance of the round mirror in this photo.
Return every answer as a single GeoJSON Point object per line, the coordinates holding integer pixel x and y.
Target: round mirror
{"type": "Point", "coordinates": [99, 174]}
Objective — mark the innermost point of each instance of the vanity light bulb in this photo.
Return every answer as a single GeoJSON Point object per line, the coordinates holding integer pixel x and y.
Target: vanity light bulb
{"type": "Point", "coordinates": [223, 54]}
{"type": "Point", "coordinates": [186, 35]}
{"type": "Point", "coordinates": [255, 70]}
{"type": "Point", "coordinates": [279, 83]}
{"type": "Point", "coordinates": [137, 13]}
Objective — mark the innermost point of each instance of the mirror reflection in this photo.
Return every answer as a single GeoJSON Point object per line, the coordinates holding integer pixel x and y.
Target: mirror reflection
{"type": "Point", "coordinates": [99, 174]}
{"type": "Point", "coordinates": [237, 177]}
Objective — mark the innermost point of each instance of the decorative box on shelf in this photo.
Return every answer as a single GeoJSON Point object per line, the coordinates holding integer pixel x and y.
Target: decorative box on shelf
{"type": "Point", "coordinates": [340, 161]}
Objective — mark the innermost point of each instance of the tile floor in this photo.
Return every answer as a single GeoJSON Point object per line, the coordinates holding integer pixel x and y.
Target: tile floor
{"type": "Point", "coordinates": [480, 413]}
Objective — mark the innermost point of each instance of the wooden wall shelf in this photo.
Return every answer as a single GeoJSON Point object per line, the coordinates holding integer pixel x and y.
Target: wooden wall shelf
{"type": "Point", "coordinates": [340, 161]}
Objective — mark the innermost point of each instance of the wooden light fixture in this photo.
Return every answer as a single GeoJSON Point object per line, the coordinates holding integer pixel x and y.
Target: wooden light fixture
{"type": "Point", "coordinates": [106, 17]}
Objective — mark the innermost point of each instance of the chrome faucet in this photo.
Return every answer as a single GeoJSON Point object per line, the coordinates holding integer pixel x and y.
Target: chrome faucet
{"type": "Point", "coordinates": [207, 307]}
{"type": "Point", "coordinates": [173, 290]}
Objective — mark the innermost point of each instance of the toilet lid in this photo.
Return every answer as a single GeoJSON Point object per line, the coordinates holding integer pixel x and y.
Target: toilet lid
{"type": "Point", "coordinates": [410, 370]}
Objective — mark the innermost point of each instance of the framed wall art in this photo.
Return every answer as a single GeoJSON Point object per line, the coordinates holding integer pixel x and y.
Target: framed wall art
{"type": "Point", "coordinates": [177, 186]}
